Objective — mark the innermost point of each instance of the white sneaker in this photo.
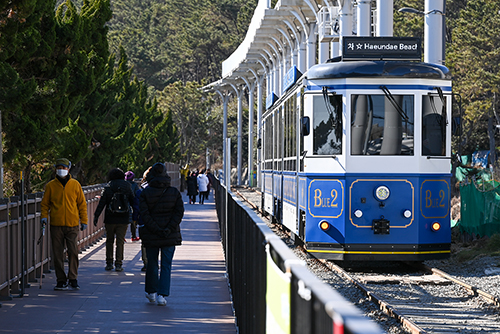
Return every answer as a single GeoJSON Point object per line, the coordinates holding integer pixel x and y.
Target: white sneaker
{"type": "Point", "coordinates": [151, 297]}
{"type": "Point", "coordinates": [160, 300]}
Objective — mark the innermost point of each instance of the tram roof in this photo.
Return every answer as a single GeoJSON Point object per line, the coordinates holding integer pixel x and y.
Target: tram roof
{"type": "Point", "coordinates": [387, 69]}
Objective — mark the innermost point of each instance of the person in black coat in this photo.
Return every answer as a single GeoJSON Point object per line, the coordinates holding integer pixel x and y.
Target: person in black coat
{"type": "Point", "coordinates": [129, 176]}
{"type": "Point", "coordinates": [192, 187]}
{"type": "Point", "coordinates": [137, 216]}
{"type": "Point", "coordinates": [116, 223]}
{"type": "Point", "coordinates": [161, 209]}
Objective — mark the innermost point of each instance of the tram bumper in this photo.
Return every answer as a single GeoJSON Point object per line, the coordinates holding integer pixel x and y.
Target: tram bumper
{"type": "Point", "coordinates": [383, 252]}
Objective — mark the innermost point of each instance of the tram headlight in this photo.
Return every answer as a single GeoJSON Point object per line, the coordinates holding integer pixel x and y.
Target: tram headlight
{"type": "Point", "coordinates": [358, 213]}
{"type": "Point", "coordinates": [407, 214]}
{"type": "Point", "coordinates": [435, 226]}
{"type": "Point", "coordinates": [382, 193]}
{"type": "Point", "coordinates": [324, 225]}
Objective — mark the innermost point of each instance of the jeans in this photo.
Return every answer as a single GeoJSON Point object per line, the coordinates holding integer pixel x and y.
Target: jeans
{"type": "Point", "coordinates": [203, 196]}
{"type": "Point", "coordinates": [160, 285]}
{"type": "Point", "coordinates": [133, 229]}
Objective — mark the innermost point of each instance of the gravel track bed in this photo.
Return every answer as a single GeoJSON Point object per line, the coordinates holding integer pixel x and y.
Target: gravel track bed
{"type": "Point", "coordinates": [469, 314]}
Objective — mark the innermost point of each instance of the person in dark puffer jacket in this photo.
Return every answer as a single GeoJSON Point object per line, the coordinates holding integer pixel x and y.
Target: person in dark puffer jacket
{"type": "Point", "coordinates": [115, 223]}
{"type": "Point", "coordinates": [161, 209]}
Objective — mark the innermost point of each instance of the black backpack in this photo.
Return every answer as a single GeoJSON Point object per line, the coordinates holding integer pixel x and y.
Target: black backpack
{"type": "Point", "coordinates": [119, 202]}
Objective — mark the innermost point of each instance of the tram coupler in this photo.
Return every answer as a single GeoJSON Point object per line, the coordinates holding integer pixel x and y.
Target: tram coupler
{"type": "Point", "coordinates": [381, 226]}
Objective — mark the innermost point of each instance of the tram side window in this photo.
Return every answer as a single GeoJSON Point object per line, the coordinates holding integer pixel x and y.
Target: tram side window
{"type": "Point", "coordinates": [289, 134]}
{"type": "Point", "coordinates": [268, 143]}
{"type": "Point", "coordinates": [433, 126]}
{"type": "Point", "coordinates": [327, 125]}
{"type": "Point", "coordinates": [382, 127]}
{"type": "Point", "coordinates": [278, 122]}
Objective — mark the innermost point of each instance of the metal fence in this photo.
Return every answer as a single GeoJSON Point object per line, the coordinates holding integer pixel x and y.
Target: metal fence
{"type": "Point", "coordinates": [272, 290]}
{"type": "Point", "coordinates": [24, 255]}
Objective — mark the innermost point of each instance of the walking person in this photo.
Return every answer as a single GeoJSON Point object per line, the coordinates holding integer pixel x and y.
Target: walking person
{"type": "Point", "coordinates": [161, 209]}
{"type": "Point", "coordinates": [64, 201]}
{"type": "Point", "coordinates": [211, 180]}
{"type": "Point", "coordinates": [117, 199]}
{"type": "Point", "coordinates": [137, 215]}
{"type": "Point", "coordinates": [203, 186]}
{"type": "Point", "coordinates": [192, 188]}
{"type": "Point", "coordinates": [129, 176]}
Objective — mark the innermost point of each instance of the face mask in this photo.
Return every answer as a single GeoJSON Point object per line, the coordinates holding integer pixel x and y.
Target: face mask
{"type": "Point", "coordinates": [62, 172]}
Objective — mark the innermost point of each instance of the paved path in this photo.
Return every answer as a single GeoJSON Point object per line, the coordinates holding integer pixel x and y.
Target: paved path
{"type": "Point", "coordinates": [114, 302]}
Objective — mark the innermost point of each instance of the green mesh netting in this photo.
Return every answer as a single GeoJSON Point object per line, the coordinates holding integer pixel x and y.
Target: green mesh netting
{"type": "Point", "coordinates": [464, 173]}
{"type": "Point", "coordinates": [480, 207]}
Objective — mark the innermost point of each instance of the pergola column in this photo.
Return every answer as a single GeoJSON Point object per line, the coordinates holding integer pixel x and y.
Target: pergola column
{"type": "Point", "coordinates": [295, 54]}
{"type": "Point", "coordinates": [302, 52]}
{"type": "Point", "coordinates": [311, 46]}
{"type": "Point", "coordinates": [251, 89]}
{"type": "Point", "coordinates": [345, 22]}
{"type": "Point", "coordinates": [240, 134]}
{"type": "Point", "coordinates": [364, 27]}
{"type": "Point", "coordinates": [385, 19]}
{"type": "Point", "coordinates": [225, 99]}
{"type": "Point", "coordinates": [323, 52]}
{"type": "Point", "coordinates": [260, 109]}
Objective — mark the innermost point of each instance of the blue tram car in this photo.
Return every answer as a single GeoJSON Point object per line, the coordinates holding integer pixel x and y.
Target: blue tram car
{"type": "Point", "coordinates": [356, 156]}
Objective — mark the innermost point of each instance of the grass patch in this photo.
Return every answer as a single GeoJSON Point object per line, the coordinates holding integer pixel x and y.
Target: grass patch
{"type": "Point", "coordinates": [481, 247]}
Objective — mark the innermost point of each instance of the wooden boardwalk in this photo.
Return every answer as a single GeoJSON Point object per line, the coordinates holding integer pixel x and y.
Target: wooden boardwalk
{"type": "Point", "coordinates": [114, 302]}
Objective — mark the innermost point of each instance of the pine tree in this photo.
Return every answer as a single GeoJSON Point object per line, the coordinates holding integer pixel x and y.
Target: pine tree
{"type": "Point", "coordinates": [54, 60]}
{"type": "Point", "coordinates": [476, 36]}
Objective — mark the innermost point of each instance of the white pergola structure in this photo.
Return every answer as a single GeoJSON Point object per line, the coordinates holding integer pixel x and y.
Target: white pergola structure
{"type": "Point", "coordinates": [295, 33]}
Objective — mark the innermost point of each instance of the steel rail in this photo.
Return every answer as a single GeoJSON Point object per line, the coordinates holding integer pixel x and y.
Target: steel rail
{"type": "Point", "coordinates": [384, 306]}
{"type": "Point", "coordinates": [492, 299]}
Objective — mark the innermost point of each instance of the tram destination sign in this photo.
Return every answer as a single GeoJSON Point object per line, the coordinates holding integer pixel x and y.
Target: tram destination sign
{"type": "Point", "coordinates": [381, 48]}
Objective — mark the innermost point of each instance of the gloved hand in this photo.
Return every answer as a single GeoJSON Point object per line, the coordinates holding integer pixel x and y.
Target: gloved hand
{"type": "Point", "coordinates": [44, 221]}
{"type": "Point", "coordinates": [95, 221]}
{"type": "Point", "coordinates": [83, 227]}
{"type": "Point", "coordinates": [165, 233]}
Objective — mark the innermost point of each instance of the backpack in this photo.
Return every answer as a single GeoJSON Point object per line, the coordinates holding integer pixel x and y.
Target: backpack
{"type": "Point", "coordinates": [119, 202]}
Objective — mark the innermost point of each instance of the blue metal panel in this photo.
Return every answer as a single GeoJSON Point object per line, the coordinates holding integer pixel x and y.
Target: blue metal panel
{"type": "Point", "coordinates": [427, 197]}
{"type": "Point", "coordinates": [434, 206]}
{"type": "Point", "coordinates": [402, 197]}
{"type": "Point", "coordinates": [290, 78]}
{"type": "Point", "coordinates": [289, 188]}
{"type": "Point", "coordinates": [277, 185]}
{"type": "Point", "coordinates": [268, 182]}
{"type": "Point", "coordinates": [325, 198]}
{"type": "Point", "coordinates": [361, 87]}
{"type": "Point", "coordinates": [302, 193]}
{"type": "Point", "coordinates": [362, 197]}
{"type": "Point", "coordinates": [378, 69]}
{"type": "Point", "coordinates": [270, 100]}
{"type": "Point", "coordinates": [435, 198]}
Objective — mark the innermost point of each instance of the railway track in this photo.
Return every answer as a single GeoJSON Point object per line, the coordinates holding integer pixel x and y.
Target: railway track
{"type": "Point", "coordinates": [428, 301]}
{"type": "Point", "coordinates": [422, 299]}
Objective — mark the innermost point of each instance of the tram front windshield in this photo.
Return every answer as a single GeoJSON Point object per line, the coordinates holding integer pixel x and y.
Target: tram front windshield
{"type": "Point", "coordinates": [382, 125]}
{"type": "Point", "coordinates": [327, 125]}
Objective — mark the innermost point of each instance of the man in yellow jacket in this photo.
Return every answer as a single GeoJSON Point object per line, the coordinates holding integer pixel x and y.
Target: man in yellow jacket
{"type": "Point", "coordinates": [65, 203]}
